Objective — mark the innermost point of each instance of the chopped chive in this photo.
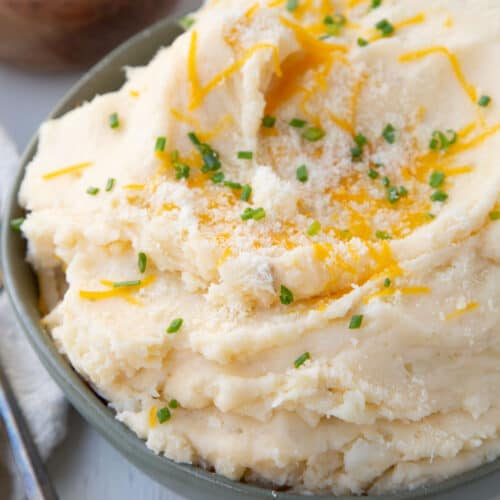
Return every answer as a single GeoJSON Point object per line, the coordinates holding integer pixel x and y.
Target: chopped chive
{"type": "Point", "coordinates": [245, 155]}
{"type": "Point", "coordinates": [173, 404]}
{"type": "Point", "coordinates": [286, 295]}
{"type": "Point", "coordinates": [259, 213]}
{"type": "Point", "coordinates": [297, 123]}
{"type": "Point", "coordinates": [494, 215]}
{"type": "Point", "coordinates": [403, 191]}
{"type": "Point", "coordinates": [373, 174]}
{"type": "Point", "coordinates": [378, 165]}
{"type": "Point", "coordinates": [233, 185]}
{"type": "Point", "coordinates": [163, 414]}
{"type": "Point", "coordinates": [389, 133]}
{"type": "Point", "coordinates": [160, 144]}
{"type": "Point", "coordinates": [301, 173]}
{"type": "Point", "coordinates": [441, 141]}
{"type": "Point", "coordinates": [385, 181]}
{"type": "Point", "coordinates": [385, 27]}
{"type": "Point", "coordinates": [268, 121]}
{"type": "Point", "coordinates": [114, 121]}
{"type": "Point", "coordinates": [246, 192]}
{"type": "Point", "coordinates": [314, 228]}
{"type": "Point", "coordinates": [356, 321]}
{"type": "Point", "coordinates": [360, 140]}
{"type": "Point", "coordinates": [436, 179]}
{"type": "Point", "coordinates": [109, 184]}
{"type": "Point", "coordinates": [174, 155]}
{"type": "Point", "coordinates": [387, 282]}
{"type": "Point", "coordinates": [218, 177]}
{"type": "Point", "coordinates": [484, 101]}
{"type": "Point", "coordinates": [15, 224]}
{"type": "Point", "coordinates": [363, 42]}
{"type": "Point", "coordinates": [439, 196]}
{"type": "Point", "coordinates": [375, 4]}
{"type": "Point", "coordinates": [92, 190]}
{"type": "Point", "coordinates": [186, 22]}
{"type": "Point", "coordinates": [181, 170]}
{"type": "Point", "coordinates": [142, 262]}
{"type": "Point", "coordinates": [356, 153]}
{"type": "Point", "coordinates": [251, 213]}
{"type": "Point", "coordinates": [428, 216]}
{"type": "Point", "coordinates": [313, 134]}
{"type": "Point", "coordinates": [121, 284]}
{"type": "Point", "coordinates": [393, 194]}
{"type": "Point", "coordinates": [175, 325]}
{"type": "Point", "coordinates": [301, 359]}
{"type": "Point", "coordinates": [291, 5]}
{"type": "Point", "coordinates": [383, 235]}
{"type": "Point", "coordinates": [194, 139]}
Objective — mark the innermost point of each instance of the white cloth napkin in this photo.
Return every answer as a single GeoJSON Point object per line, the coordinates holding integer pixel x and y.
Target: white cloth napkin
{"type": "Point", "coordinates": [41, 401]}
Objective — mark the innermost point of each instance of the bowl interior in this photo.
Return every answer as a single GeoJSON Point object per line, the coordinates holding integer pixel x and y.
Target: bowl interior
{"type": "Point", "coordinates": [20, 282]}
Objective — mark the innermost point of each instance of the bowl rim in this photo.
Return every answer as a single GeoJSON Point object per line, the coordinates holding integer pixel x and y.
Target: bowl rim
{"type": "Point", "coordinates": [77, 391]}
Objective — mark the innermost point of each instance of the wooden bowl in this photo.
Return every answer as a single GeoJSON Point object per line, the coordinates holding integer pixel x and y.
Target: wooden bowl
{"type": "Point", "coordinates": [67, 34]}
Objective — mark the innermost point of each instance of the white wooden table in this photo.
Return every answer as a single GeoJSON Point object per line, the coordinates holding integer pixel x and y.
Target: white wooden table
{"type": "Point", "coordinates": [85, 467]}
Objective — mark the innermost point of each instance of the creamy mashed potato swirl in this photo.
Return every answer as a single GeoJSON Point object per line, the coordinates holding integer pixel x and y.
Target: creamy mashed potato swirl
{"type": "Point", "coordinates": [313, 189]}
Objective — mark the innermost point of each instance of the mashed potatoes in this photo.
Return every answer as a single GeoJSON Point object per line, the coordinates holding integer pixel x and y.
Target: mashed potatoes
{"type": "Point", "coordinates": [314, 193]}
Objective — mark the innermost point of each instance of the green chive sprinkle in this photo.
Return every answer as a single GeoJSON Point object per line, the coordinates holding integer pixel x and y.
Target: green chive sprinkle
{"type": "Point", "coordinates": [246, 192]}
{"type": "Point", "coordinates": [92, 190]}
{"type": "Point", "coordinates": [360, 140]}
{"type": "Point", "coordinates": [160, 144]}
{"type": "Point", "coordinates": [186, 22]}
{"type": "Point", "coordinates": [439, 196]}
{"type": "Point", "coordinates": [251, 213]}
{"type": "Point", "coordinates": [121, 284]}
{"type": "Point", "coordinates": [218, 177]}
{"type": "Point", "coordinates": [173, 404]}
{"type": "Point", "coordinates": [387, 282]}
{"type": "Point", "coordinates": [181, 170]}
{"type": "Point", "coordinates": [356, 153]}
{"type": "Point", "coordinates": [286, 295]}
{"type": "Point", "coordinates": [142, 262]}
{"type": "Point", "coordinates": [268, 121]}
{"type": "Point", "coordinates": [403, 191]}
{"type": "Point", "coordinates": [441, 141]}
{"type": "Point", "coordinates": [393, 194]}
{"type": "Point", "coordinates": [389, 134]}
{"type": "Point", "coordinates": [233, 185]}
{"type": "Point", "coordinates": [383, 235]}
{"type": "Point", "coordinates": [436, 179]}
{"type": "Point", "coordinates": [301, 359]}
{"type": "Point", "coordinates": [174, 155]}
{"type": "Point", "coordinates": [313, 134]}
{"type": "Point", "coordinates": [375, 4]}
{"type": "Point", "coordinates": [362, 42]}
{"type": "Point", "coordinates": [245, 155]}
{"type": "Point", "coordinates": [385, 181]}
{"type": "Point", "coordinates": [291, 5]}
{"type": "Point", "coordinates": [15, 224]}
{"type": "Point", "coordinates": [175, 325]}
{"type": "Point", "coordinates": [194, 139]}
{"type": "Point", "coordinates": [114, 121]}
{"type": "Point", "coordinates": [314, 228]}
{"type": "Point", "coordinates": [109, 184]}
{"type": "Point", "coordinates": [297, 123]}
{"type": "Point", "coordinates": [484, 101]}
{"type": "Point", "coordinates": [163, 414]}
{"type": "Point", "coordinates": [356, 321]}
{"type": "Point", "coordinates": [373, 174]}
{"type": "Point", "coordinates": [494, 215]}
{"type": "Point", "coordinates": [301, 173]}
{"type": "Point", "coordinates": [385, 27]}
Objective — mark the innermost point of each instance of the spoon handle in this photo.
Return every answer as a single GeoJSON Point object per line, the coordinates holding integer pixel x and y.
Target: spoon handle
{"type": "Point", "coordinates": [36, 481]}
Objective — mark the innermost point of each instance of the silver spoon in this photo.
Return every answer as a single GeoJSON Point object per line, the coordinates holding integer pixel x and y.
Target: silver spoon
{"type": "Point", "coordinates": [36, 481]}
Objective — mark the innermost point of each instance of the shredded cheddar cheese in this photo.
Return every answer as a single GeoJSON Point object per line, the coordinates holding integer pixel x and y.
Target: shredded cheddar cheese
{"type": "Point", "coordinates": [67, 170]}
{"type": "Point", "coordinates": [471, 306]}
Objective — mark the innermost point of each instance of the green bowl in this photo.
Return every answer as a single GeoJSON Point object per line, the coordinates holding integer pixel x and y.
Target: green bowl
{"type": "Point", "coordinates": [189, 481]}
